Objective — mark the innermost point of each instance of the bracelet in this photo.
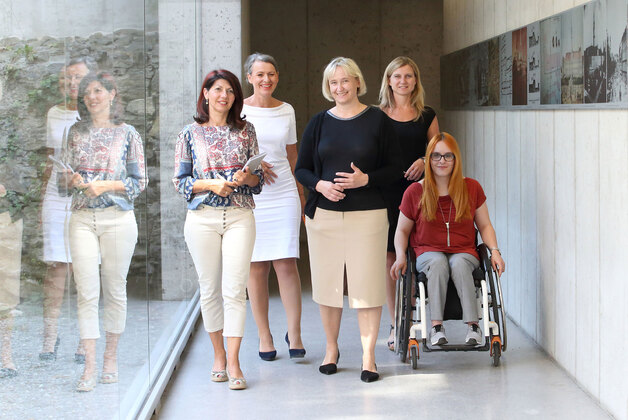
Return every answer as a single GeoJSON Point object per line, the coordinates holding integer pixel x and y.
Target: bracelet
{"type": "Point", "coordinates": [495, 249]}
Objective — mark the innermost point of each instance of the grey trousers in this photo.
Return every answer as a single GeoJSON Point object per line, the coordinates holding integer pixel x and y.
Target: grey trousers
{"type": "Point", "coordinates": [437, 266]}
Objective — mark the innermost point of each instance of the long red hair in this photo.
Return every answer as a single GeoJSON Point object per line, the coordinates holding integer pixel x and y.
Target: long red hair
{"type": "Point", "coordinates": [457, 187]}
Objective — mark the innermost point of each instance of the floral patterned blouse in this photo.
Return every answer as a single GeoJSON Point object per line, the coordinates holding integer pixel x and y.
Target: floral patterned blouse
{"type": "Point", "coordinates": [107, 154]}
{"type": "Point", "coordinates": [215, 153]}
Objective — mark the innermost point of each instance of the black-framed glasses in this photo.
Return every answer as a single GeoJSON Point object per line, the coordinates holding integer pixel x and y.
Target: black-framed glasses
{"type": "Point", "coordinates": [436, 157]}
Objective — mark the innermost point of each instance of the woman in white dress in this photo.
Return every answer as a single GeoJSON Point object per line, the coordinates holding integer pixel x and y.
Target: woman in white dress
{"type": "Point", "coordinates": [278, 208]}
{"type": "Point", "coordinates": [55, 212]}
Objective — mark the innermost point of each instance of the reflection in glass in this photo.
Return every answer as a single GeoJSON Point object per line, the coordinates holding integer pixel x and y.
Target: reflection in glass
{"type": "Point", "coordinates": [55, 208]}
{"type": "Point", "coordinates": [10, 249]}
{"type": "Point", "coordinates": [106, 172]}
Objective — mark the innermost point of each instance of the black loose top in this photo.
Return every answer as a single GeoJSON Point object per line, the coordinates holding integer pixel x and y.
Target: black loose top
{"type": "Point", "coordinates": [330, 144]}
{"type": "Point", "coordinates": [412, 136]}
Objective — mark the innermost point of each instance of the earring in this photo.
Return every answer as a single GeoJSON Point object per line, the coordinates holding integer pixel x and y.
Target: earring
{"type": "Point", "coordinates": [206, 101]}
{"type": "Point", "coordinates": [111, 103]}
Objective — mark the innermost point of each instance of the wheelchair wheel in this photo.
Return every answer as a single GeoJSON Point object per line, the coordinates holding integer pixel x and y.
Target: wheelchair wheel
{"type": "Point", "coordinates": [496, 352]}
{"type": "Point", "coordinates": [490, 280]}
{"type": "Point", "coordinates": [403, 313]}
{"type": "Point", "coordinates": [414, 356]}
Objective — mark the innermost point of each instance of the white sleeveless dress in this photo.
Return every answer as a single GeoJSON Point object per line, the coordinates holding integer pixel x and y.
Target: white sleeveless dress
{"type": "Point", "coordinates": [56, 208]}
{"type": "Point", "coordinates": [277, 208]}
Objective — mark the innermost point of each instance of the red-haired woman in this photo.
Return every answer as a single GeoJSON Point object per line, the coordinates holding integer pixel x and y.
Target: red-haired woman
{"type": "Point", "coordinates": [220, 228]}
{"type": "Point", "coordinates": [439, 215]}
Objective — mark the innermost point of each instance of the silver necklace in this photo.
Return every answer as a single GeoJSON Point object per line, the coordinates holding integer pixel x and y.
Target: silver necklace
{"type": "Point", "coordinates": [448, 218]}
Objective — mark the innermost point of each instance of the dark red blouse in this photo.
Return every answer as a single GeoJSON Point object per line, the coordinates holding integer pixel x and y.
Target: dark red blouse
{"type": "Point", "coordinates": [432, 236]}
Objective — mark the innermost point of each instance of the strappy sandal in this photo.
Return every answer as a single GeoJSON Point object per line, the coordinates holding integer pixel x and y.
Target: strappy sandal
{"type": "Point", "coordinates": [219, 376]}
{"type": "Point", "coordinates": [109, 378]}
{"type": "Point", "coordinates": [86, 385]}
{"type": "Point", "coordinates": [237, 383]}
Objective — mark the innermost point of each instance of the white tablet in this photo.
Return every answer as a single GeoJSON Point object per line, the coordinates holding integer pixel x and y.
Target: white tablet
{"type": "Point", "coordinates": [59, 163]}
{"type": "Point", "coordinates": [254, 162]}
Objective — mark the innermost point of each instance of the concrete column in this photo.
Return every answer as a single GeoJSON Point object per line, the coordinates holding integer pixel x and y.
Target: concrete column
{"type": "Point", "coordinates": [194, 38]}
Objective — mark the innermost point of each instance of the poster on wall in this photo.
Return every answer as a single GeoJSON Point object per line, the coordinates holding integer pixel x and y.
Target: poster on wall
{"type": "Point", "coordinates": [520, 67]}
{"type": "Point", "coordinates": [480, 74]}
{"type": "Point", "coordinates": [594, 53]}
{"type": "Point", "coordinates": [578, 58]}
{"type": "Point", "coordinates": [616, 28]}
{"type": "Point", "coordinates": [534, 64]}
{"type": "Point", "coordinates": [493, 72]}
{"type": "Point", "coordinates": [571, 82]}
{"type": "Point", "coordinates": [505, 69]}
{"type": "Point", "coordinates": [550, 60]}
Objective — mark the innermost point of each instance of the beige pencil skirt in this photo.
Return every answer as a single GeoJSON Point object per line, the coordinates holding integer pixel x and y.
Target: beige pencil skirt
{"type": "Point", "coordinates": [355, 240]}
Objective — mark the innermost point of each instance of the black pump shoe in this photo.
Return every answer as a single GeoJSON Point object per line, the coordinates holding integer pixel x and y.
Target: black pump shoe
{"type": "Point", "coordinates": [295, 353]}
{"type": "Point", "coordinates": [368, 376]}
{"type": "Point", "coordinates": [268, 356]}
{"type": "Point", "coordinates": [330, 368]}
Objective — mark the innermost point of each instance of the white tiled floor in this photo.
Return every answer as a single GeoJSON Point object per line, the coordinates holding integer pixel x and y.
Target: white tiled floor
{"type": "Point", "coordinates": [447, 385]}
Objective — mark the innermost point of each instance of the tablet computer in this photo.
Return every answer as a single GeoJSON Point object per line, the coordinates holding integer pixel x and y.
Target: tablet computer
{"type": "Point", "coordinates": [59, 163]}
{"type": "Point", "coordinates": [254, 162]}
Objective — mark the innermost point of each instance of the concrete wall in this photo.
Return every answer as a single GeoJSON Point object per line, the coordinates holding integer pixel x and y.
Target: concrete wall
{"type": "Point", "coordinates": [304, 35]}
{"type": "Point", "coordinates": [557, 183]}
{"type": "Point", "coordinates": [37, 18]}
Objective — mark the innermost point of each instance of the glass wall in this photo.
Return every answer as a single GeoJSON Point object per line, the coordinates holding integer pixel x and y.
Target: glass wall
{"type": "Point", "coordinates": [96, 285]}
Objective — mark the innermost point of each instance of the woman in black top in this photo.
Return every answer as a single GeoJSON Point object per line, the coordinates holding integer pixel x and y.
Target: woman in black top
{"type": "Point", "coordinates": [348, 154]}
{"type": "Point", "coordinates": [402, 98]}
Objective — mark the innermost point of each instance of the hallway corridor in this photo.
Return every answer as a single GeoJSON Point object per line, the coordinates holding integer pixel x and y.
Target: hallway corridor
{"type": "Point", "coordinates": [527, 384]}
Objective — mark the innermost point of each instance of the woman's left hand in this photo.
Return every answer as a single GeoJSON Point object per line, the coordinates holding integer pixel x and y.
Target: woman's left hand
{"type": "Point", "coordinates": [498, 262]}
{"type": "Point", "coordinates": [415, 170]}
{"type": "Point", "coordinates": [93, 189]}
{"type": "Point", "coordinates": [244, 177]}
{"type": "Point", "coordinates": [356, 179]}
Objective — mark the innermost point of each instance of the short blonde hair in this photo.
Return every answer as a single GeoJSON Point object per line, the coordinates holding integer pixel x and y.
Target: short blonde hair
{"type": "Point", "coordinates": [350, 67]}
{"type": "Point", "coordinates": [417, 98]}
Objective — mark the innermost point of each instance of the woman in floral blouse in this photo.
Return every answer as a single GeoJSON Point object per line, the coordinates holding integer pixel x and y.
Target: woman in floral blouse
{"type": "Point", "coordinates": [107, 158]}
{"type": "Point", "coordinates": [210, 173]}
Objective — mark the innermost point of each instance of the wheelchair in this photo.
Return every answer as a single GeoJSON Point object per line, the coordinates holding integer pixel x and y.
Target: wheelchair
{"type": "Point", "coordinates": [411, 323]}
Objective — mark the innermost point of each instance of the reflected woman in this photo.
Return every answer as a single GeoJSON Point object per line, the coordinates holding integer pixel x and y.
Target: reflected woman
{"type": "Point", "coordinates": [402, 98]}
{"type": "Point", "coordinates": [55, 208]}
{"type": "Point", "coordinates": [209, 172]}
{"type": "Point", "coordinates": [10, 266]}
{"type": "Point", "coordinates": [107, 157]}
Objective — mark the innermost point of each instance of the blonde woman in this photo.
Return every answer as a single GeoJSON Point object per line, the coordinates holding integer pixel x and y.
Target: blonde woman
{"type": "Point", "coordinates": [277, 208]}
{"type": "Point", "coordinates": [348, 155]}
{"type": "Point", "coordinates": [402, 98]}
{"type": "Point", "coordinates": [439, 215]}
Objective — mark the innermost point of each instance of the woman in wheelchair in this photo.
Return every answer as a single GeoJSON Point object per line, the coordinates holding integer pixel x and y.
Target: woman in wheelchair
{"type": "Point", "coordinates": [439, 215]}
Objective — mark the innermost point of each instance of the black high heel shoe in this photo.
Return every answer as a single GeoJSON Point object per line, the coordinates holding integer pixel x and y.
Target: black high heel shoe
{"type": "Point", "coordinates": [368, 376]}
{"type": "Point", "coordinates": [295, 353]}
{"type": "Point", "coordinates": [268, 356]}
{"type": "Point", "coordinates": [330, 368]}
{"type": "Point", "coordinates": [50, 355]}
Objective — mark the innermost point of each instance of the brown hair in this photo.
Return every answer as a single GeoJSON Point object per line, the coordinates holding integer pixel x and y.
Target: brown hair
{"type": "Point", "coordinates": [233, 117]}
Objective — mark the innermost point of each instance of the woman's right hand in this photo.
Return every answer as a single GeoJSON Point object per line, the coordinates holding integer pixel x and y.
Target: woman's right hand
{"type": "Point", "coordinates": [221, 187]}
{"type": "Point", "coordinates": [398, 267]}
{"type": "Point", "coordinates": [332, 192]}
{"type": "Point", "coordinates": [269, 174]}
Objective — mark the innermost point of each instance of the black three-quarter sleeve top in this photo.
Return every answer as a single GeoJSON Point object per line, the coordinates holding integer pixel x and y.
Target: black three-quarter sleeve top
{"type": "Point", "coordinates": [330, 144]}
